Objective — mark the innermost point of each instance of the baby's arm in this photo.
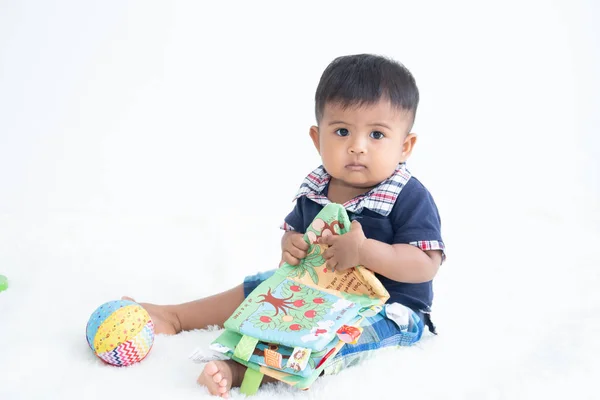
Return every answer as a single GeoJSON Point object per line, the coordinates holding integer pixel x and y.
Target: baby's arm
{"type": "Point", "coordinates": [415, 250]}
{"type": "Point", "coordinates": [400, 262]}
{"type": "Point", "coordinates": [293, 246]}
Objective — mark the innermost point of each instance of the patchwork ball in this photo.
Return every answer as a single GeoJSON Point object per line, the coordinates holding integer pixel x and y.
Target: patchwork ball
{"type": "Point", "coordinates": [120, 332]}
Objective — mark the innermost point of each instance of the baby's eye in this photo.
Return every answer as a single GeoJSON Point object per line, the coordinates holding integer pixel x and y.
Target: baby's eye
{"type": "Point", "coordinates": [342, 132]}
{"type": "Point", "coordinates": [377, 135]}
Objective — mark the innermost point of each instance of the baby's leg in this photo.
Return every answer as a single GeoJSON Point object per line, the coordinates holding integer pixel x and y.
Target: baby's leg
{"type": "Point", "coordinates": [378, 332]}
{"type": "Point", "coordinates": [198, 314]}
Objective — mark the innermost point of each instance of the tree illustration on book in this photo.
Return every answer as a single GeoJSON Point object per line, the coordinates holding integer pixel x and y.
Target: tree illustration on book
{"type": "Point", "coordinates": [299, 308]}
{"type": "Point", "coordinates": [313, 259]}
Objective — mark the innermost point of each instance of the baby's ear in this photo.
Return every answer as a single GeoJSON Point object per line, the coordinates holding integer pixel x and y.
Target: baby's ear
{"type": "Point", "coordinates": [407, 147]}
{"type": "Point", "coordinates": [314, 135]}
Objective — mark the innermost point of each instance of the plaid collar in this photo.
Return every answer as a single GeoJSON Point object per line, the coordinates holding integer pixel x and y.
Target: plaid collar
{"type": "Point", "coordinates": [380, 199]}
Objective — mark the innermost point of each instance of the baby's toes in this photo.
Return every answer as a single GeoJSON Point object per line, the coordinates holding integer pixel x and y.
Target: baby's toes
{"type": "Point", "coordinates": [218, 377]}
{"type": "Point", "coordinates": [211, 369]}
{"type": "Point", "coordinates": [223, 388]}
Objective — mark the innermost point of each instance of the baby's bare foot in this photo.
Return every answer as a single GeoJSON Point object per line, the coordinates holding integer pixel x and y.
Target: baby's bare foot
{"type": "Point", "coordinates": [164, 320]}
{"type": "Point", "coordinates": [219, 376]}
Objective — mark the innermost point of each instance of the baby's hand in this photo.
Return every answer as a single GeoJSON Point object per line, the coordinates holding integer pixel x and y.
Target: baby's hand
{"type": "Point", "coordinates": [293, 248]}
{"type": "Point", "coordinates": [344, 250]}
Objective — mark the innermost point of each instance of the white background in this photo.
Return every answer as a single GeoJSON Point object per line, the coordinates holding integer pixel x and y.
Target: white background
{"type": "Point", "coordinates": [153, 148]}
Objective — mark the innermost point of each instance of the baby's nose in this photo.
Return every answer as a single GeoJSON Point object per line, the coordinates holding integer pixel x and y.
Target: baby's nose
{"type": "Point", "coordinates": [357, 147]}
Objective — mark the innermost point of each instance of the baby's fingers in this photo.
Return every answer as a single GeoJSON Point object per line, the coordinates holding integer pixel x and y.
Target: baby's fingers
{"type": "Point", "coordinates": [298, 241]}
{"type": "Point", "coordinates": [296, 252]}
{"type": "Point", "coordinates": [290, 259]}
{"type": "Point", "coordinates": [331, 264]}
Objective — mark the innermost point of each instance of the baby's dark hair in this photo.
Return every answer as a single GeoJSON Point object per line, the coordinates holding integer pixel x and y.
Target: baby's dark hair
{"type": "Point", "coordinates": [363, 79]}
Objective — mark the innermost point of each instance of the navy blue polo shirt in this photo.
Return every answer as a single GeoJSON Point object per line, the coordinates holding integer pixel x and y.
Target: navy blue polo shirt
{"type": "Point", "coordinates": [412, 218]}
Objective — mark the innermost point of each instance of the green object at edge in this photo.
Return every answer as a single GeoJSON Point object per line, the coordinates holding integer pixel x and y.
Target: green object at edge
{"type": "Point", "coordinates": [251, 382]}
{"type": "Point", "coordinates": [3, 283]}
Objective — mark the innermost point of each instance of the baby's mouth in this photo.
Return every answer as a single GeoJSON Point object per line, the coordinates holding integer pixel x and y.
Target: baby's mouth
{"type": "Point", "coordinates": [356, 167]}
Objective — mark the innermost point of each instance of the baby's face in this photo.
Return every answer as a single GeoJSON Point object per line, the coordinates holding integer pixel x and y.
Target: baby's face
{"type": "Point", "coordinates": [361, 146]}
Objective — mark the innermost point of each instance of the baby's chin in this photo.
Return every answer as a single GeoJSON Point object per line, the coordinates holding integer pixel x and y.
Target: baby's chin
{"type": "Point", "coordinates": [359, 183]}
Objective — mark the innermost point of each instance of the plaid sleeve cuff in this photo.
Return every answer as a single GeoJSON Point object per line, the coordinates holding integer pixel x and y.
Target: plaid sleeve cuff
{"type": "Point", "coordinates": [287, 227]}
{"type": "Point", "coordinates": [431, 245]}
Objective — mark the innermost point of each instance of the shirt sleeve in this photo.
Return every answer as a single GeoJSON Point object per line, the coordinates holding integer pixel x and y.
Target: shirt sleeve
{"type": "Point", "coordinates": [294, 220]}
{"type": "Point", "coordinates": [416, 220]}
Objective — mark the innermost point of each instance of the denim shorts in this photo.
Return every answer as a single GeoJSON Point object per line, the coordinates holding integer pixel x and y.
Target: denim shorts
{"type": "Point", "coordinates": [378, 332]}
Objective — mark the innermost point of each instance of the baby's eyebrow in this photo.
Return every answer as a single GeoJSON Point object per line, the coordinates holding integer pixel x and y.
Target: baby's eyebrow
{"type": "Point", "coordinates": [380, 124]}
{"type": "Point", "coordinates": [338, 122]}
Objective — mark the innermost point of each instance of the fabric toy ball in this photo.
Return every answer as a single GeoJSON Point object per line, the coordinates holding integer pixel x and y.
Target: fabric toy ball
{"type": "Point", "coordinates": [120, 332]}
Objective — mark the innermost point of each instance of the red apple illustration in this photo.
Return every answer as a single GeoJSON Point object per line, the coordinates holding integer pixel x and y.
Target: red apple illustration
{"type": "Point", "coordinates": [295, 327]}
{"type": "Point", "coordinates": [299, 303]}
{"type": "Point", "coordinates": [295, 288]}
{"type": "Point", "coordinates": [265, 319]}
{"type": "Point", "coordinates": [310, 314]}
{"type": "Point", "coordinates": [319, 300]}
